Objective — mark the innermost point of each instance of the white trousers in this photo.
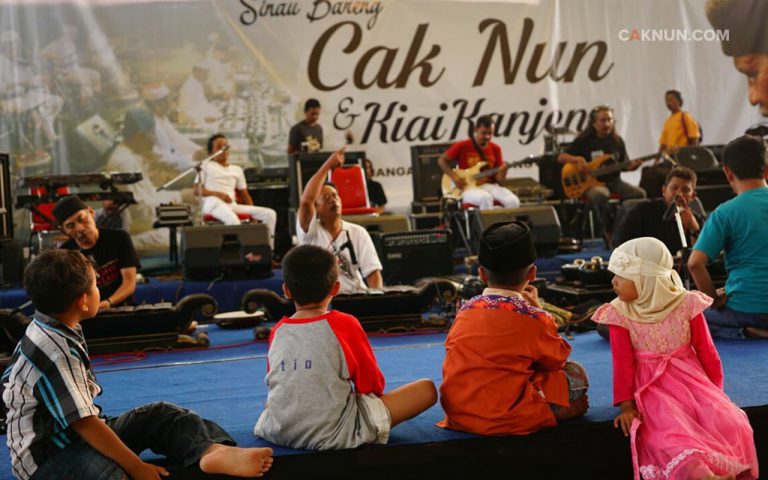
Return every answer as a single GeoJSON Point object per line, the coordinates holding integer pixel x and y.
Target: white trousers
{"type": "Point", "coordinates": [484, 195]}
{"type": "Point", "coordinates": [226, 213]}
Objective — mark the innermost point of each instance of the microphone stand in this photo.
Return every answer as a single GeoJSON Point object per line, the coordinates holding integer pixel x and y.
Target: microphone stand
{"type": "Point", "coordinates": [686, 248]}
{"type": "Point", "coordinates": [197, 168]}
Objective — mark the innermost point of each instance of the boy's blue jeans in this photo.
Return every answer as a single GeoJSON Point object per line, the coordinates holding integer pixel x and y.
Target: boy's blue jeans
{"type": "Point", "coordinates": [174, 432]}
{"type": "Point", "coordinates": [728, 323]}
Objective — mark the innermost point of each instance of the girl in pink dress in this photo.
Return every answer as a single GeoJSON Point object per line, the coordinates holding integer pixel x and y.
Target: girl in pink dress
{"type": "Point", "coordinates": [667, 375]}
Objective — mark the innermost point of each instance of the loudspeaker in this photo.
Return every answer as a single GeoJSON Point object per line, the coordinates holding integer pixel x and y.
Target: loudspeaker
{"type": "Point", "coordinates": [712, 196]}
{"type": "Point", "coordinates": [550, 174]}
{"type": "Point", "coordinates": [10, 262]}
{"type": "Point", "coordinates": [231, 251]}
{"type": "Point", "coordinates": [304, 165]}
{"type": "Point", "coordinates": [408, 256]}
{"type": "Point", "coordinates": [6, 197]}
{"type": "Point", "coordinates": [276, 196]}
{"type": "Point", "coordinates": [545, 226]}
{"type": "Point", "coordinates": [380, 223]}
{"type": "Point", "coordinates": [427, 174]}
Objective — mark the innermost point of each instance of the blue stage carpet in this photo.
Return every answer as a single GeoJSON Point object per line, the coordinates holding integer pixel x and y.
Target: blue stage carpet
{"type": "Point", "coordinates": [226, 382]}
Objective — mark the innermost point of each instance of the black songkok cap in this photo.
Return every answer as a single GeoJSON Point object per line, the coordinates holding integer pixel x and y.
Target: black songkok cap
{"type": "Point", "coordinates": [68, 206]}
{"type": "Point", "coordinates": [506, 246]}
{"type": "Point", "coordinates": [746, 22]}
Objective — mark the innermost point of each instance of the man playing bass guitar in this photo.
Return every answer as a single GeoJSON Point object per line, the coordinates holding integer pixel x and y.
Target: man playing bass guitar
{"type": "Point", "coordinates": [599, 139]}
{"type": "Point", "coordinates": [467, 153]}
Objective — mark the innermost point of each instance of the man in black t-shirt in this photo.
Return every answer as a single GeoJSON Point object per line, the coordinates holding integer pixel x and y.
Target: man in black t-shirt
{"type": "Point", "coordinates": [307, 135]}
{"type": "Point", "coordinates": [111, 250]}
{"type": "Point", "coordinates": [598, 139]}
{"type": "Point", "coordinates": [376, 194]}
{"type": "Point", "coordinates": [655, 218]}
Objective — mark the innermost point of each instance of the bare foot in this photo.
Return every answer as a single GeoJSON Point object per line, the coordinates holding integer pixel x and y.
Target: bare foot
{"type": "Point", "coordinates": [577, 408]}
{"type": "Point", "coordinates": [755, 332]}
{"type": "Point", "coordinates": [235, 461]}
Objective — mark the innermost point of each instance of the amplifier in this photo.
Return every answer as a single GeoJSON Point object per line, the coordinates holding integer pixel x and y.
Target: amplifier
{"type": "Point", "coordinates": [545, 226]}
{"type": "Point", "coordinates": [169, 214]}
{"type": "Point", "coordinates": [408, 256]}
{"type": "Point", "coordinates": [380, 223]}
{"type": "Point", "coordinates": [231, 251]}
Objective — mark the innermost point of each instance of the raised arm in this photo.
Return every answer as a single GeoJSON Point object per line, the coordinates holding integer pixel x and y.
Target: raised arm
{"type": "Point", "coordinates": [315, 186]}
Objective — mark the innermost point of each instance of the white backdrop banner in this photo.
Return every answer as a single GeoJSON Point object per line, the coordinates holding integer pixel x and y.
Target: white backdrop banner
{"type": "Point", "coordinates": [395, 73]}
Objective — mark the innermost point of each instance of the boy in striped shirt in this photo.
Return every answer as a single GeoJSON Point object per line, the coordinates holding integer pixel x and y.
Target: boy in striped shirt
{"type": "Point", "coordinates": [54, 428]}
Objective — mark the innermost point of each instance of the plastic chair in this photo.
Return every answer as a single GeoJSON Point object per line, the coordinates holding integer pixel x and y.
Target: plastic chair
{"type": "Point", "coordinates": [210, 219]}
{"type": "Point", "coordinates": [352, 188]}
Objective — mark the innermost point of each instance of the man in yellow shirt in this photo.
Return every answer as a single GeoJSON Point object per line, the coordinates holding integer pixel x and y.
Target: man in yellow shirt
{"type": "Point", "coordinates": [680, 129]}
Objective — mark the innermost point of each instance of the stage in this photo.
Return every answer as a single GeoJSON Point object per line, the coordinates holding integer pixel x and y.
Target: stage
{"type": "Point", "coordinates": [225, 382]}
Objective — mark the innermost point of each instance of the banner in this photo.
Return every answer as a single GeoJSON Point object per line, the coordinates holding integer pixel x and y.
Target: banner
{"type": "Point", "coordinates": [392, 73]}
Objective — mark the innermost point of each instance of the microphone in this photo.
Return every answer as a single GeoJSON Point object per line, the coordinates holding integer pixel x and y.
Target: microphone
{"type": "Point", "coordinates": [671, 209]}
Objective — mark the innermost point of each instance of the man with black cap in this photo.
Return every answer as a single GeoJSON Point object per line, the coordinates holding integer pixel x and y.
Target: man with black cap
{"type": "Point", "coordinates": [111, 250]}
{"type": "Point", "coordinates": [747, 42]}
{"type": "Point", "coordinates": [506, 370]}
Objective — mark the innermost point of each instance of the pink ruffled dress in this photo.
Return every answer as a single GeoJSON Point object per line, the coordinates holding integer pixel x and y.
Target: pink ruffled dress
{"type": "Point", "coordinates": [689, 428]}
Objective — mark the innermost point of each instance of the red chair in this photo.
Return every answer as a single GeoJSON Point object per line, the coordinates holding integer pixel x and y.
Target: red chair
{"type": "Point", "coordinates": [352, 188]}
{"type": "Point", "coordinates": [44, 229]}
{"type": "Point", "coordinates": [210, 219]}
{"type": "Point", "coordinates": [42, 223]}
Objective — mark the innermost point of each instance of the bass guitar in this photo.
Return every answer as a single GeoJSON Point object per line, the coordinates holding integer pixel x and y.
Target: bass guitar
{"type": "Point", "coordinates": [576, 181]}
{"type": "Point", "coordinates": [477, 175]}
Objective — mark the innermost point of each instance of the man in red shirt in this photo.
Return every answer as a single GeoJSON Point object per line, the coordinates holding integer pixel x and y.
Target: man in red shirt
{"type": "Point", "coordinates": [468, 153]}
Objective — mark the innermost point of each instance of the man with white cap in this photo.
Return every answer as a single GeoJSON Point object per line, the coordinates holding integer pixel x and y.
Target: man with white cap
{"type": "Point", "coordinates": [23, 89]}
{"type": "Point", "coordinates": [135, 154]}
{"type": "Point", "coordinates": [193, 104]}
{"type": "Point", "coordinates": [172, 146]}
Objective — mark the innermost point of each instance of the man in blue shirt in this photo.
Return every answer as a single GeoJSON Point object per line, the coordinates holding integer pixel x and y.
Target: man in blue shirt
{"type": "Point", "coordinates": [740, 228]}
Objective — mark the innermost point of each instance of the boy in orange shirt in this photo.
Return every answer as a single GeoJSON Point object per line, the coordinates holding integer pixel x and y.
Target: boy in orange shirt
{"type": "Point", "coordinates": [505, 370]}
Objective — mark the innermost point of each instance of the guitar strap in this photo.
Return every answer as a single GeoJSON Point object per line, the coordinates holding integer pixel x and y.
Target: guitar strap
{"type": "Point", "coordinates": [685, 129]}
{"type": "Point", "coordinates": [478, 149]}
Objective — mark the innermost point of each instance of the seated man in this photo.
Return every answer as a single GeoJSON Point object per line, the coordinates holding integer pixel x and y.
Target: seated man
{"type": "Point", "coordinates": [468, 153]}
{"type": "Point", "coordinates": [376, 193]}
{"type": "Point", "coordinates": [319, 223]}
{"type": "Point", "coordinates": [598, 139]}
{"type": "Point", "coordinates": [505, 370]}
{"type": "Point", "coordinates": [740, 228]}
{"type": "Point", "coordinates": [680, 129]}
{"type": "Point", "coordinates": [111, 250]}
{"type": "Point", "coordinates": [655, 218]}
{"type": "Point", "coordinates": [225, 192]}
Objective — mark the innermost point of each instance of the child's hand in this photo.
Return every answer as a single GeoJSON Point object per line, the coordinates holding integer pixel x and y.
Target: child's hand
{"type": "Point", "coordinates": [531, 295]}
{"type": "Point", "coordinates": [147, 471]}
{"type": "Point", "coordinates": [628, 414]}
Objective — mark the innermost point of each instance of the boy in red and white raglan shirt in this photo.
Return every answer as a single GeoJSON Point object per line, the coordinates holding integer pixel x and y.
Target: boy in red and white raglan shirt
{"type": "Point", "coordinates": [325, 388]}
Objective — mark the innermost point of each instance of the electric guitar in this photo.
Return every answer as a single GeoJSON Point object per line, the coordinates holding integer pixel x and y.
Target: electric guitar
{"type": "Point", "coordinates": [477, 174]}
{"type": "Point", "coordinates": [577, 182]}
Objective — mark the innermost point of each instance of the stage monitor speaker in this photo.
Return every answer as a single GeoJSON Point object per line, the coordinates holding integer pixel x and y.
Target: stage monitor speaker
{"type": "Point", "coordinates": [10, 262]}
{"type": "Point", "coordinates": [427, 174]}
{"type": "Point", "coordinates": [711, 196]}
{"type": "Point", "coordinates": [542, 219]}
{"type": "Point", "coordinates": [408, 256]}
{"type": "Point", "coordinates": [304, 165]}
{"type": "Point", "coordinates": [550, 174]}
{"type": "Point", "coordinates": [6, 198]}
{"type": "Point", "coordinates": [380, 223]}
{"type": "Point", "coordinates": [230, 251]}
